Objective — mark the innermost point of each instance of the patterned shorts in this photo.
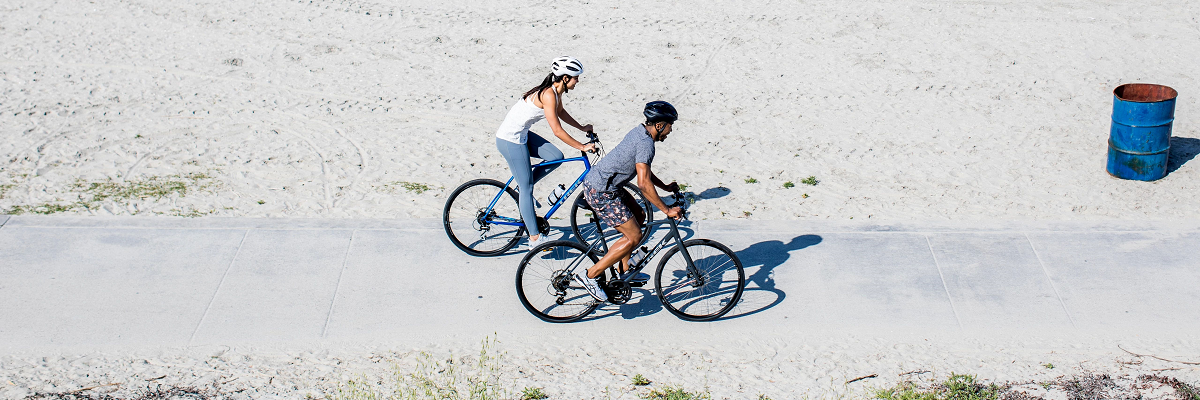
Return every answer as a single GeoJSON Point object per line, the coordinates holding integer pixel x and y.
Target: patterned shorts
{"type": "Point", "coordinates": [612, 207]}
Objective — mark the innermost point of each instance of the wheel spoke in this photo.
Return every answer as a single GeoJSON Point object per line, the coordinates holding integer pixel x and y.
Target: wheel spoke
{"type": "Point", "coordinates": [545, 286]}
{"type": "Point", "coordinates": [707, 291]}
{"type": "Point", "coordinates": [472, 227]}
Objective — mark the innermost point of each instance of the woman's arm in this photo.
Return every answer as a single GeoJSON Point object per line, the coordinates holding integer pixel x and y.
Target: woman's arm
{"type": "Point", "coordinates": [551, 107]}
{"type": "Point", "coordinates": [566, 117]}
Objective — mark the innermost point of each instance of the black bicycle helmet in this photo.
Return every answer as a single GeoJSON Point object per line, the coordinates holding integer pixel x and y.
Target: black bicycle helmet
{"type": "Point", "coordinates": [660, 111]}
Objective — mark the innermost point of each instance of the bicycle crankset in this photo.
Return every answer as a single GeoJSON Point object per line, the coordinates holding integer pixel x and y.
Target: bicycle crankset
{"type": "Point", "coordinates": [618, 291]}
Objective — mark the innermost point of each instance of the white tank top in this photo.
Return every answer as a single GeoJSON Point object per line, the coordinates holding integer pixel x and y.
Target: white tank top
{"type": "Point", "coordinates": [521, 116]}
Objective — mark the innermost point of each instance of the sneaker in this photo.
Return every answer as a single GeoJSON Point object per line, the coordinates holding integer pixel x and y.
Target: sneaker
{"type": "Point", "coordinates": [532, 243]}
{"type": "Point", "coordinates": [590, 285]}
{"type": "Point", "coordinates": [640, 277]}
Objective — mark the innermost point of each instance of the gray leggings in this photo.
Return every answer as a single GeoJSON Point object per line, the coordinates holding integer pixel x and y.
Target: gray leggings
{"type": "Point", "coordinates": [524, 174]}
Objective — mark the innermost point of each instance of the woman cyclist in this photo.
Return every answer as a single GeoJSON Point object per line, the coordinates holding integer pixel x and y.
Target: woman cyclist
{"type": "Point", "coordinates": [517, 144]}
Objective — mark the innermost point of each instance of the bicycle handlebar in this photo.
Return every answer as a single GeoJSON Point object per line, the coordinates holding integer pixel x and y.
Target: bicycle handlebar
{"type": "Point", "coordinates": [679, 200]}
{"type": "Point", "coordinates": [593, 138]}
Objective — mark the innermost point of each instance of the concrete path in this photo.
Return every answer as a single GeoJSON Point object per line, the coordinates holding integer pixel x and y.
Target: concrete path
{"type": "Point", "coordinates": [96, 282]}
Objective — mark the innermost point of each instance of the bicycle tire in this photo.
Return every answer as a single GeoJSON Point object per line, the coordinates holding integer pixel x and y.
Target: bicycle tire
{"type": "Point", "coordinates": [717, 292]}
{"type": "Point", "coordinates": [543, 277]}
{"type": "Point", "coordinates": [584, 224]}
{"type": "Point", "coordinates": [461, 218]}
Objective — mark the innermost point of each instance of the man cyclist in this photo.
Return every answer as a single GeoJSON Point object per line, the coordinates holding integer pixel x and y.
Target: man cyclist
{"type": "Point", "coordinates": [616, 207]}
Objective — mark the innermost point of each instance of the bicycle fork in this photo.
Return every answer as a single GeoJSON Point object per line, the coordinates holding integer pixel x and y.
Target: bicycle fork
{"type": "Point", "coordinates": [693, 272]}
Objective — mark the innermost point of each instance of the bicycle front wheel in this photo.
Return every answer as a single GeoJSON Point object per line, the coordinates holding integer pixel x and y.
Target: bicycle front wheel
{"type": "Point", "coordinates": [587, 225]}
{"type": "Point", "coordinates": [703, 293]}
{"type": "Point", "coordinates": [472, 226]}
{"type": "Point", "coordinates": [544, 282]}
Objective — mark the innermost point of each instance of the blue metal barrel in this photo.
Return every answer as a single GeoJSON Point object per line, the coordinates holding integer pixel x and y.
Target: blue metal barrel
{"type": "Point", "coordinates": [1140, 138]}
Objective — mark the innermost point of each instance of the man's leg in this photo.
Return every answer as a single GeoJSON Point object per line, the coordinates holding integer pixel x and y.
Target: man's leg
{"type": "Point", "coordinates": [638, 215]}
{"type": "Point", "coordinates": [620, 250]}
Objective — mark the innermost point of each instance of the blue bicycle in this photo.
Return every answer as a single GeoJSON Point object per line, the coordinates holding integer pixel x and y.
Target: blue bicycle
{"type": "Point", "coordinates": [482, 218]}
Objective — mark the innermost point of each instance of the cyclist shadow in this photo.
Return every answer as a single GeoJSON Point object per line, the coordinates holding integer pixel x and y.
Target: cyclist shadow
{"type": "Point", "coordinates": [644, 301]}
{"type": "Point", "coordinates": [761, 292]}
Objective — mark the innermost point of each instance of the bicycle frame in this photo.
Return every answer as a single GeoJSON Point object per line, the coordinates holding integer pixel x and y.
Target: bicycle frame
{"type": "Point", "coordinates": [658, 247]}
{"type": "Point", "coordinates": [653, 252]}
{"type": "Point", "coordinates": [501, 220]}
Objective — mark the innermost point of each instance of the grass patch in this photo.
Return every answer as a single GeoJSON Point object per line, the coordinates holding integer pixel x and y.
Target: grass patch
{"type": "Point", "coordinates": [414, 187]}
{"type": "Point", "coordinates": [189, 213]}
{"type": "Point", "coordinates": [751, 180]}
{"type": "Point", "coordinates": [683, 187]}
{"type": "Point", "coordinates": [810, 181]}
{"type": "Point", "coordinates": [5, 188]}
{"type": "Point", "coordinates": [154, 187]}
{"type": "Point", "coordinates": [957, 387]}
{"type": "Point", "coordinates": [473, 378]}
{"type": "Point", "coordinates": [533, 394]}
{"type": "Point", "coordinates": [44, 209]}
{"type": "Point", "coordinates": [639, 380]}
{"type": "Point", "coordinates": [411, 187]}
{"type": "Point", "coordinates": [788, 185]}
{"type": "Point", "coordinates": [93, 194]}
{"type": "Point", "coordinates": [675, 393]}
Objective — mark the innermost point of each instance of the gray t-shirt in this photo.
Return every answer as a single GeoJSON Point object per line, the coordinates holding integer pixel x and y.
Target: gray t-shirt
{"type": "Point", "coordinates": [620, 165]}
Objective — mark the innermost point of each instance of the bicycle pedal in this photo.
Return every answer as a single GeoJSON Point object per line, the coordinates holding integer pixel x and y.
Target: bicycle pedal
{"type": "Point", "coordinates": [637, 284]}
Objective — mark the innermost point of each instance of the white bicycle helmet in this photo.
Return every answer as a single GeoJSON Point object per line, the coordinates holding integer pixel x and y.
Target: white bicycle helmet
{"type": "Point", "coordinates": [567, 65]}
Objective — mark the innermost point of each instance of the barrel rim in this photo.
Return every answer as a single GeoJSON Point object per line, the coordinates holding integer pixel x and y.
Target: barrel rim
{"type": "Point", "coordinates": [1170, 93]}
{"type": "Point", "coordinates": [1113, 146]}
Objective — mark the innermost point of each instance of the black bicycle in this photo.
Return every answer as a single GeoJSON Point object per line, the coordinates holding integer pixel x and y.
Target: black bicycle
{"type": "Point", "coordinates": [481, 217]}
{"type": "Point", "coordinates": [697, 280]}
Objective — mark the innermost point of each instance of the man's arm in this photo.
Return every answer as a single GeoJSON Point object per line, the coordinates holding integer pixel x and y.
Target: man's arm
{"type": "Point", "coordinates": [646, 183]}
{"type": "Point", "coordinates": [672, 187]}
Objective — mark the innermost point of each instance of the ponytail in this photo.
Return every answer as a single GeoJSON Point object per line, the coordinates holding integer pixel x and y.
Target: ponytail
{"type": "Point", "coordinates": [548, 82]}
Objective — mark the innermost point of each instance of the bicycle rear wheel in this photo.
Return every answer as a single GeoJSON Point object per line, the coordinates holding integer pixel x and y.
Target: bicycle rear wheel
{"type": "Point", "coordinates": [586, 224]}
{"type": "Point", "coordinates": [545, 286]}
{"type": "Point", "coordinates": [471, 226]}
{"type": "Point", "coordinates": [705, 293]}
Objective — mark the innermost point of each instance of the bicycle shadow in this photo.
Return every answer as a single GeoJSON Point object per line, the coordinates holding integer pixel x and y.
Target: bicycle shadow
{"type": "Point", "coordinates": [761, 293]}
{"type": "Point", "coordinates": [644, 302]}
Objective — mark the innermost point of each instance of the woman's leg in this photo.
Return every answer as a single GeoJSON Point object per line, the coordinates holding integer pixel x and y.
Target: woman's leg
{"type": "Point", "coordinates": [543, 149]}
{"type": "Point", "coordinates": [518, 162]}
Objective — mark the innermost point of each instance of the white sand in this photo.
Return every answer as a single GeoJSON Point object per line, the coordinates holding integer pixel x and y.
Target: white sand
{"type": "Point", "coordinates": [903, 110]}
{"type": "Point", "coordinates": [780, 367]}
{"type": "Point", "coordinates": [910, 110]}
